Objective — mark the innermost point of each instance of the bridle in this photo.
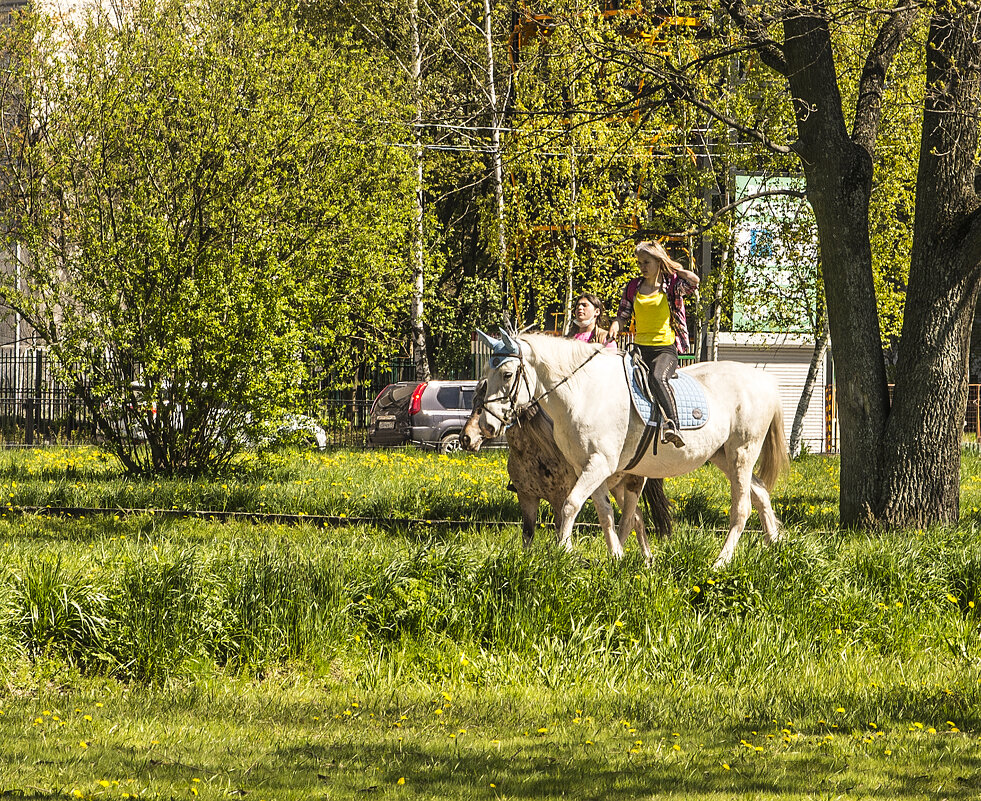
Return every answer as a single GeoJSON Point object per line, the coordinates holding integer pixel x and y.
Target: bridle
{"type": "Point", "coordinates": [513, 412]}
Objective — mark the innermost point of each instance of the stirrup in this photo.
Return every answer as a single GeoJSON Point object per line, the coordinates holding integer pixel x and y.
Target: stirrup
{"type": "Point", "coordinates": [671, 435]}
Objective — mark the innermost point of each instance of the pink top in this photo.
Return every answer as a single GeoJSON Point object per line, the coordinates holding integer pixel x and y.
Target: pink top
{"type": "Point", "coordinates": [586, 336]}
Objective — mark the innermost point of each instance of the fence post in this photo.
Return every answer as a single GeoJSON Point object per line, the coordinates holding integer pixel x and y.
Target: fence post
{"type": "Point", "coordinates": [829, 417]}
{"type": "Point", "coordinates": [977, 414]}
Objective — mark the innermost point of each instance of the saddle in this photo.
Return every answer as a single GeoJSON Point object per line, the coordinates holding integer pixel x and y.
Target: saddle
{"type": "Point", "coordinates": [689, 396]}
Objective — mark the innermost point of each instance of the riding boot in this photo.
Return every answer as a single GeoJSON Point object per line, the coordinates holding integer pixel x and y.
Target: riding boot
{"type": "Point", "coordinates": [669, 427]}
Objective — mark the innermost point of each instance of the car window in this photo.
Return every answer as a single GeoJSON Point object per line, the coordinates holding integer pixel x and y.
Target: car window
{"type": "Point", "coordinates": [448, 397]}
{"type": "Point", "coordinates": [394, 398]}
{"type": "Point", "coordinates": [401, 392]}
{"type": "Point", "coordinates": [467, 398]}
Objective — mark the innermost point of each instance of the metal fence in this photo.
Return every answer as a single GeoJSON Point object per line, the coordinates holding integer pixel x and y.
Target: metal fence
{"type": "Point", "coordinates": [972, 417]}
{"type": "Point", "coordinates": [36, 409]}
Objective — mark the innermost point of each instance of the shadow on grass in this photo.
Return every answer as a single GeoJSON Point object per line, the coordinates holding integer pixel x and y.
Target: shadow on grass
{"type": "Point", "coordinates": [543, 769]}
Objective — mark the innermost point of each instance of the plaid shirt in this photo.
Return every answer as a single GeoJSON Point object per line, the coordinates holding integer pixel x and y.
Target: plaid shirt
{"type": "Point", "coordinates": [676, 288]}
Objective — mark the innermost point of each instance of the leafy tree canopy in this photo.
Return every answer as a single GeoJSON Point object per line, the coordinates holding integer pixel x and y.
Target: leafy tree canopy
{"type": "Point", "coordinates": [198, 204]}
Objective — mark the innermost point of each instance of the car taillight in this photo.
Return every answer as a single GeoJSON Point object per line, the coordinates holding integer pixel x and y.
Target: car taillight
{"type": "Point", "coordinates": [415, 404]}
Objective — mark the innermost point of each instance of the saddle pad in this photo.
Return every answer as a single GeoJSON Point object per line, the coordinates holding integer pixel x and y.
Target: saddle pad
{"type": "Point", "coordinates": [693, 410]}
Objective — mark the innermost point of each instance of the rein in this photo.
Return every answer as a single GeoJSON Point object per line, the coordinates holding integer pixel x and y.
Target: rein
{"type": "Point", "coordinates": [511, 416]}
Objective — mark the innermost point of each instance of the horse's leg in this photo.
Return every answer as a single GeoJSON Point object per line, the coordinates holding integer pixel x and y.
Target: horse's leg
{"type": "Point", "coordinates": [529, 517]}
{"type": "Point", "coordinates": [627, 493]}
{"type": "Point", "coordinates": [739, 470]}
{"type": "Point", "coordinates": [760, 499]}
{"type": "Point", "coordinates": [763, 507]}
{"type": "Point", "coordinates": [604, 511]}
{"type": "Point", "coordinates": [592, 478]}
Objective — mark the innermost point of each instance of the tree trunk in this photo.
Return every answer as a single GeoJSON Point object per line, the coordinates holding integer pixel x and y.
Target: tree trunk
{"type": "Point", "coordinates": [573, 237]}
{"type": "Point", "coordinates": [820, 351]}
{"type": "Point", "coordinates": [839, 184]}
{"type": "Point", "coordinates": [419, 356]}
{"type": "Point", "coordinates": [495, 133]}
{"type": "Point", "coordinates": [922, 446]}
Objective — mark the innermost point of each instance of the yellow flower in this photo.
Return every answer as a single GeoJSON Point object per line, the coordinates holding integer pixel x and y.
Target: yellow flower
{"type": "Point", "coordinates": [401, 780]}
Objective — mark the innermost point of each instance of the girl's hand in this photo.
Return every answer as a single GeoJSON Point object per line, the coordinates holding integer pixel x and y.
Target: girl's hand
{"type": "Point", "coordinates": [611, 335]}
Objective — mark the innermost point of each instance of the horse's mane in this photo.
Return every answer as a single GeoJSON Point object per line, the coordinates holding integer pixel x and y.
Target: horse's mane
{"type": "Point", "coordinates": [560, 356]}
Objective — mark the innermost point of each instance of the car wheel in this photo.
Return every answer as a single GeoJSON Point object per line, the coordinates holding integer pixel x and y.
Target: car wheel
{"type": "Point", "coordinates": [450, 443]}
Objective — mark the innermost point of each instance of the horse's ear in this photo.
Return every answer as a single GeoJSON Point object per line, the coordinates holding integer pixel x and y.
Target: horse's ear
{"type": "Point", "coordinates": [489, 341]}
{"type": "Point", "coordinates": [510, 343]}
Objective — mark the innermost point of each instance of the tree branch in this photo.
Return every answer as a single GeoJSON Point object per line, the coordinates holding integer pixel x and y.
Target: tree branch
{"type": "Point", "coordinates": [771, 51]}
{"type": "Point", "coordinates": [718, 213]}
{"type": "Point", "coordinates": [868, 109]}
{"type": "Point", "coordinates": [754, 133]}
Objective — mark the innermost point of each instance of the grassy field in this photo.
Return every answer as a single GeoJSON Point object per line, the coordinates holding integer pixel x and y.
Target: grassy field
{"type": "Point", "coordinates": [157, 657]}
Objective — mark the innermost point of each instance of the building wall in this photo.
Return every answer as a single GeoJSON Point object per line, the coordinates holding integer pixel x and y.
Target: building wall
{"type": "Point", "coordinates": [786, 357]}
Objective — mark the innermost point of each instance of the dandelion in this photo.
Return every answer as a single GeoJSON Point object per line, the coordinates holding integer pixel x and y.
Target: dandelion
{"type": "Point", "coordinates": [725, 766]}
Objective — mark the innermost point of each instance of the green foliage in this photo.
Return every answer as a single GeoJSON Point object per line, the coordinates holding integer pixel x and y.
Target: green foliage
{"type": "Point", "coordinates": [185, 177]}
{"type": "Point", "coordinates": [57, 611]}
{"type": "Point", "coordinates": [442, 652]}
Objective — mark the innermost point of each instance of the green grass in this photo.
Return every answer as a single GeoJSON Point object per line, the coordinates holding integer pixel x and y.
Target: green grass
{"type": "Point", "coordinates": [139, 654]}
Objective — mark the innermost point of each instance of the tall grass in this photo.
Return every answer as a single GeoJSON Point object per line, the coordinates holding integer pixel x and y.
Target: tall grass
{"type": "Point", "coordinates": [181, 656]}
{"type": "Point", "coordinates": [145, 599]}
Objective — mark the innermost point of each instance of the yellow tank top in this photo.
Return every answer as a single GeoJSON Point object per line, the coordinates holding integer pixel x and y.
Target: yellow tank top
{"type": "Point", "coordinates": [652, 319]}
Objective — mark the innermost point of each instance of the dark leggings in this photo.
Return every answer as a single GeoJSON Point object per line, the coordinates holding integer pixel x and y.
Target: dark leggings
{"type": "Point", "coordinates": [662, 362]}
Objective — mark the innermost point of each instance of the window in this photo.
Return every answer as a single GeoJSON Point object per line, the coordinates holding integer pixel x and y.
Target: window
{"type": "Point", "coordinates": [449, 397]}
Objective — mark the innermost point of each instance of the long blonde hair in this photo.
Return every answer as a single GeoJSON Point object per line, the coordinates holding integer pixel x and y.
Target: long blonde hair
{"type": "Point", "coordinates": [657, 251]}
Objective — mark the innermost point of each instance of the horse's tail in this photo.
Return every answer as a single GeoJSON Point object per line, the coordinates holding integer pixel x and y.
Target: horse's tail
{"type": "Point", "coordinates": [774, 458]}
{"type": "Point", "coordinates": [658, 507]}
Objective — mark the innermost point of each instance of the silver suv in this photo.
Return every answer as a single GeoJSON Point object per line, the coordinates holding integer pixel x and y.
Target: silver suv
{"type": "Point", "coordinates": [430, 414]}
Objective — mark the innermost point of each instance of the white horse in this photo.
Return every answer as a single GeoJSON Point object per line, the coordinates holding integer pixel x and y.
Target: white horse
{"type": "Point", "coordinates": [584, 390]}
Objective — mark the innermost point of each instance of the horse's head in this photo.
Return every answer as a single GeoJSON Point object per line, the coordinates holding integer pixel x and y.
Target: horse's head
{"type": "Point", "coordinates": [508, 387]}
{"type": "Point", "coordinates": [472, 437]}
